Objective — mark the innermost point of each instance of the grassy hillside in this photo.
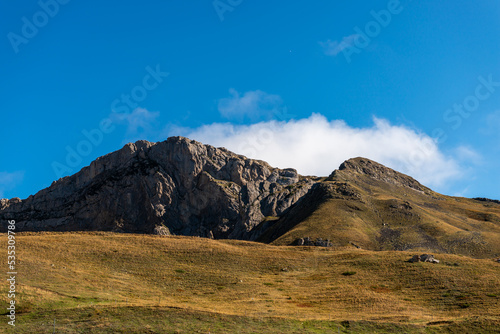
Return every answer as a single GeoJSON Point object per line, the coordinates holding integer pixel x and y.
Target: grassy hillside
{"type": "Point", "coordinates": [124, 283]}
{"type": "Point", "coordinates": [380, 209]}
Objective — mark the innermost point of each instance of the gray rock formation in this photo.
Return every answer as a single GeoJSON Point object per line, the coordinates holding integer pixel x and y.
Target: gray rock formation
{"type": "Point", "coordinates": [319, 242]}
{"type": "Point", "coordinates": [423, 258]}
{"type": "Point", "coordinates": [428, 258]}
{"type": "Point", "coordinates": [178, 186]}
{"type": "Point", "coordinates": [374, 170]}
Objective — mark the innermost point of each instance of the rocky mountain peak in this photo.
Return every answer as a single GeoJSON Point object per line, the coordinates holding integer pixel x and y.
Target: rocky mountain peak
{"type": "Point", "coordinates": [182, 185]}
{"type": "Point", "coordinates": [360, 167]}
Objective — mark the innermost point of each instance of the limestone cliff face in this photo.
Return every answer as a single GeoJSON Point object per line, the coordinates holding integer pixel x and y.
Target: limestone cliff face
{"type": "Point", "coordinates": [179, 184]}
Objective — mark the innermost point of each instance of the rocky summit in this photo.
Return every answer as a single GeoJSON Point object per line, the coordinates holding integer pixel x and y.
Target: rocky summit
{"type": "Point", "coordinates": [178, 186]}
{"type": "Point", "coordinates": [183, 187]}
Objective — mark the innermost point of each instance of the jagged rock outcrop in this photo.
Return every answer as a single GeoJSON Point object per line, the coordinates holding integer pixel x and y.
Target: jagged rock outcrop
{"type": "Point", "coordinates": [366, 167]}
{"type": "Point", "coordinates": [178, 186]}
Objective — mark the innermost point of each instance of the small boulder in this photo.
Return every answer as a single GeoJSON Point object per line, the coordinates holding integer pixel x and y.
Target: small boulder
{"type": "Point", "coordinates": [423, 258]}
{"type": "Point", "coordinates": [161, 230]}
{"type": "Point", "coordinates": [323, 243]}
{"type": "Point", "coordinates": [414, 259]}
{"type": "Point", "coordinates": [320, 242]}
{"type": "Point", "coordinates": [352, 243]}
{"type": "Point", "coordinates": [428, 258]}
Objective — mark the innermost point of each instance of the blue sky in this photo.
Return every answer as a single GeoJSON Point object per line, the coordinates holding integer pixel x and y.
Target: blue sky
{"type": "Point", "coordinates": [412, 84]}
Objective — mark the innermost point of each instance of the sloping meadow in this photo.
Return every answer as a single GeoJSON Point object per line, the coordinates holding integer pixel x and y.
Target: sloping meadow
{"type": "Point", "coordinates": [101, 281]}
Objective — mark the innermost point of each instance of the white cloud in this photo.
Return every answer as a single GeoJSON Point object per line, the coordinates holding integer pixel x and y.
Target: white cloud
{"type": "Point", "coordinates": [9, 180]}
{"type": "Point", "coordinates": [462, 193]}
{"type": "Point", "coordinates": [252, 105]}
{"type": "Point", "coordinates": [140, 123]}
{"type": "Point", "coordinates": [467, 153]}
{"type": "Point", "coordinates": [491, 124]}
{"type": "Point", "coordinates": [333, 48]}
{"type": "Point", "coordinates": [316, 146]}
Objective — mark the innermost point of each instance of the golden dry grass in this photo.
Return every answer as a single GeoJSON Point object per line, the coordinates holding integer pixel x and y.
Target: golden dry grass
{"type": "Point", "coordinates": [74, 271]}
{"type": "Point", "coordinates": [388, 217]}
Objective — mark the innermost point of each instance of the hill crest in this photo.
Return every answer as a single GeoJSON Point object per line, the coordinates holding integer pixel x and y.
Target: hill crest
{"type": "Point", "coordinates": [183, 187]}
{"type": "Point", "coordinates": [356, 167]}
